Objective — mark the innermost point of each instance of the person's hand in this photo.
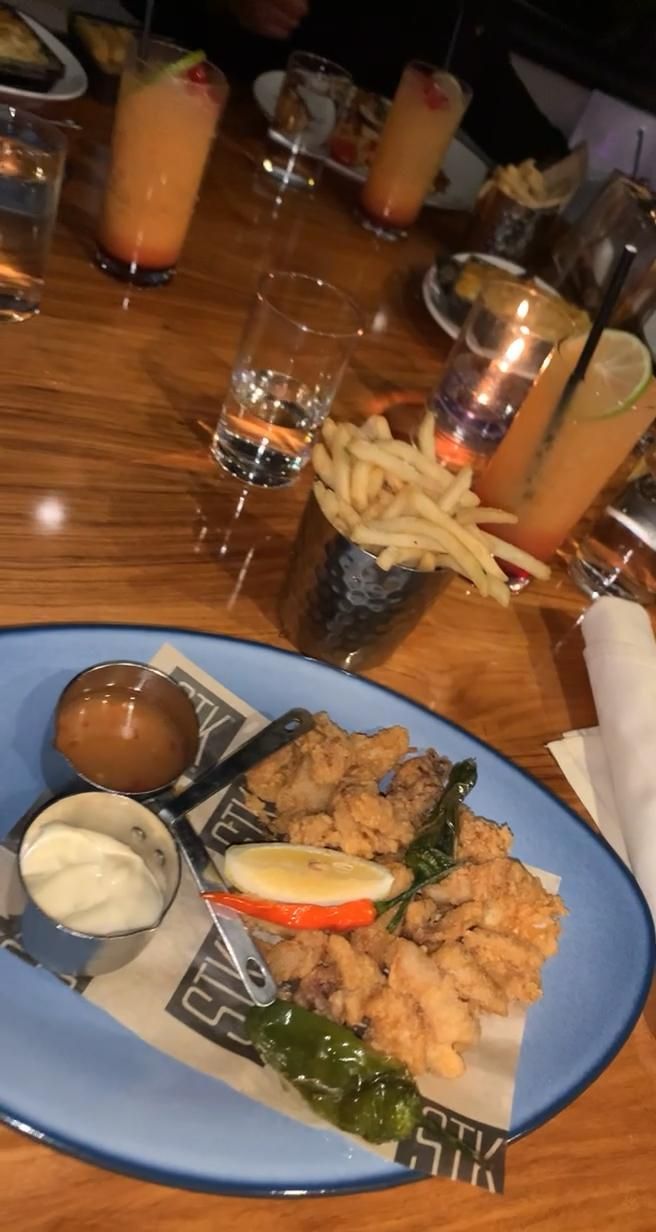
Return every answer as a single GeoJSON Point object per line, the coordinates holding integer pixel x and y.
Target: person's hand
{"type": "Point", "coordinates": [270, 18]}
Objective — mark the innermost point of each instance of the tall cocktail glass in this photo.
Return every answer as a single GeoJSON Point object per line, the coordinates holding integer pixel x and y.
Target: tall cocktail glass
{"type": "Point", "coordinates": [427, 109]}
{"type": "Point", "coordinates": [166, 116]}
{"type": "Point", "coordinates": [549, 473]}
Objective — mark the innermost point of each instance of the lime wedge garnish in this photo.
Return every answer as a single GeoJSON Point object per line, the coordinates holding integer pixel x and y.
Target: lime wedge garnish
{"type": "Point", "coordinates": [181, 66]}
{"type": "Point", "coordinates": [178, 68]}
{"type": "Point", "coordinates": [619, 372]}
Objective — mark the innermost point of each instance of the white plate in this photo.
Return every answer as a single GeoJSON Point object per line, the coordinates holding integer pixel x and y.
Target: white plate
{"type": "Point", "coordinates": [72, 84]}
{"type": "Point", "coordinates": [436, 301]}
{"type": "Point", "coordinates": [464, 168]}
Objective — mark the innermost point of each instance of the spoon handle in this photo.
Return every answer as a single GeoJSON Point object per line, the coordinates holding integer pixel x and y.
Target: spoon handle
{"type": "Point", "coordinates": [244, 954]}
{"type": "Point", "coordinates": [272, 738]}
{"type": "Point", "coordinates": [246, 958]}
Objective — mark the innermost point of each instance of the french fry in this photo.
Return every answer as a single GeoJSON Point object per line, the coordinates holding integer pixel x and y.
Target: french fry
{"type": "Point", "coordinates": [426, 437]}
{"type": "Point", "coordinates": [463, 534]}
{"type": "Point", "coordinates": [499, 591]}
{"type": "Point", "coordinates": [327, 502]}
{"type": "Point", "coordinates": [328, 430]}
{"type": "Point", "coordinates": [341, 463]}
{"type": "Point", "coordinates": [377, 428]}
{"type": "Point", "coordinates": [442, 479]}
{"type": "Point", "coordinates": [376, 481]}
{"type": "Point", "coordinates": [360, 485]}
{"type": "Point", "coordinates": [398, 502]}
{"type": "Point", "coordinates": [377, 508]}
{"type": "Point", "coordinates": [392, 556]}
{"type": "Point", "coordinates": [347, 513]}
{"type": "Point", "coordinates": [515, 556]}
{"type": "Point", "coordinates": [416, 533]}
{"type": "Point", "coordinates": [469, 517]}
{"type": "Point", "coordinates": [322, 464]}
{"type": "Point", "coordinates": [385, 538]}
{"type": "Point", "coordinates": [456, 490]}
{"type": "Point", "coordinates": [430, 469]}
{"type": "Point", "coordinates": [396, 469]}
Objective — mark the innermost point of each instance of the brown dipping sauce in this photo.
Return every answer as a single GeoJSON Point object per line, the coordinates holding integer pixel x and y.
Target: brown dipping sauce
{"type": "Point", "coordinates": [119, 739]}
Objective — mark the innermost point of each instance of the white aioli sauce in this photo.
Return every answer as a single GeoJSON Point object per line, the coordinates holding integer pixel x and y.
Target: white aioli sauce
{"type": "Point", "coordinates": [89, 881]}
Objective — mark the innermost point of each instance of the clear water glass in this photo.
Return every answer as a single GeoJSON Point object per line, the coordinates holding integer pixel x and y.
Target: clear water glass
{"type": "Point", "coordinates": [32, 157]}
{"type": "Point", "coordinates": [312, 98]}
{"type": "Point", "coordinates": [296, 343]}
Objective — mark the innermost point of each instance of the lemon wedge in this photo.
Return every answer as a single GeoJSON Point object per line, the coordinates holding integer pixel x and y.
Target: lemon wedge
{"type": "Point", "coordinates": [292, 873]}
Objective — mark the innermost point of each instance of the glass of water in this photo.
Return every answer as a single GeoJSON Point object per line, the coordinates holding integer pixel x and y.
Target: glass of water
{"type": "Point", "coordinates": [312, 98]}
{"type": "Point", "coordinates": [32, 156]}
{"type": "Point", "coordinates": [295, 346]}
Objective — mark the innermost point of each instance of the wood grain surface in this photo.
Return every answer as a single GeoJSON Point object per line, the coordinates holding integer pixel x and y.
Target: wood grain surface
{"type": "Point", "coordinates": [112, 510]}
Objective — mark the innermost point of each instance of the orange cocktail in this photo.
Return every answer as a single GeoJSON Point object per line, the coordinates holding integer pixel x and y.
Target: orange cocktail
{"type": "Point", "coordinates": [166, 116]}
{"type": "Point", "coordinates": [548, 474]}
{"type": "Point", "coordinates": [427, 109]}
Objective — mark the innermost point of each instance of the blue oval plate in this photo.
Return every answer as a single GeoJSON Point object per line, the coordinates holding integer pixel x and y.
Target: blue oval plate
{"type": "Point", "coordinates": [71, 1075]}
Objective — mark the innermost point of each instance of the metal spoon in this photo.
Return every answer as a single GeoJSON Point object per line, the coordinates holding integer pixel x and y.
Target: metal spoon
{"type": "Point", "coordinates": [246, 958]}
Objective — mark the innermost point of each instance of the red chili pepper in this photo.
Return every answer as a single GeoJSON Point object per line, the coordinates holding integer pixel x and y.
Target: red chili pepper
{"type": "Point", "coordinates": [338, 919]}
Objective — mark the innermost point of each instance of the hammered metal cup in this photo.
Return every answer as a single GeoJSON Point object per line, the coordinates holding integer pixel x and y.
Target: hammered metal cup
{"type": "Point", "coordinates": [506, 228]}
{"type": "Point", "coordinates": [337, 605]}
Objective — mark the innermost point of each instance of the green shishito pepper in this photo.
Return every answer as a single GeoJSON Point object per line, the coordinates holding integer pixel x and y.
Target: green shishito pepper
{"type": "Point", "coordinates": [351, 1085]}
{"type": "Point", "coordinates": [431, 855]}
{"type": "Point", "coordinates": [433, 848]}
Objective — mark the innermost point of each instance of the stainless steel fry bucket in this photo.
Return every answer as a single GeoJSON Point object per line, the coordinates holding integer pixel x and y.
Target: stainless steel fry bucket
{"type": "Point", "coordinates": [336, 604]}
{"type": "Point", "coordinates": [63, 949]}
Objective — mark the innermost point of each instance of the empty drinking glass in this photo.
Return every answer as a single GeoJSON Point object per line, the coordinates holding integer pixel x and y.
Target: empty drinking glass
{"type": "Point", "coordinates": [312, 97]}
{"type": "Point", "coordinates": [295, 346]}
{"type": "Point", "coordinates": [32, 156]}
{"type": "Point", "coordinates": [618, 556]}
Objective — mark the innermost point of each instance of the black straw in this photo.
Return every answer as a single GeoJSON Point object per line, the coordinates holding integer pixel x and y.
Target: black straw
{"type": "Point", "coordinates": [637, 157]}
{"type": "Point", "coordinates": [606, 308]}
{"type": "Point", "coordinates": [144, 38]}
{"type": "Point", "coordinates": [455, 35]}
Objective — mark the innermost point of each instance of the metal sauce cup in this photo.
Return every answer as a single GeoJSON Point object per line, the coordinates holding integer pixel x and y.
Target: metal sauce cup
{"type": "Point", "coordinates": [63, 949]}
{"type": "Point", "coordinates": [155, 686]}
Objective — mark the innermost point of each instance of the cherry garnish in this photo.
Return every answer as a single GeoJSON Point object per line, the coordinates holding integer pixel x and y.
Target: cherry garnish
{"type": "Point", "coordinates": [198, 74]}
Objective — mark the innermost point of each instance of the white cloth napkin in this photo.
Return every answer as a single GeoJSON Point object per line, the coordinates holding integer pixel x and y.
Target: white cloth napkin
{"type": "Point", "coordinates": [612, 768]}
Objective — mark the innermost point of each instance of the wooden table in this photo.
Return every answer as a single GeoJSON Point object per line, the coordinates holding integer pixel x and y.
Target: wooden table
{"type": "Point", "coordinates": [112, 510]}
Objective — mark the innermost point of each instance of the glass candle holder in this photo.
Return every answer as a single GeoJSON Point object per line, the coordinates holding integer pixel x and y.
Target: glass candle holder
{"type": "Point", "coordinates": [507, 335]}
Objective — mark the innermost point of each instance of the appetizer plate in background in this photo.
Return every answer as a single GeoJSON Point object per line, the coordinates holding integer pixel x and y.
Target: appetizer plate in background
{"type": "Point", "coordinates": [72, 1076]}
{"type": "Point", "coordinates": [437, 301]}
{"type": "Point", "coordinates": [465, 167]}
{"type": "Point", "coordinates": [72, 84]}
